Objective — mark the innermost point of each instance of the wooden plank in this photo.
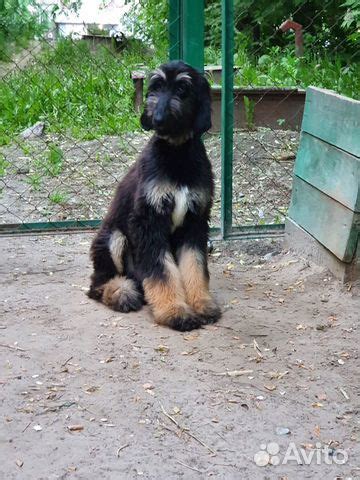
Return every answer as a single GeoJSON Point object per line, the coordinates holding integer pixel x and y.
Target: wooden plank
{"type": "Point", "coordinates": [333, 225]}
{"type": "Point", "coordinates": [329, 169]}
{"type": "Point", "coordinates": [296, 238]}
{"type": "Point", "coordinates": [333, 118]}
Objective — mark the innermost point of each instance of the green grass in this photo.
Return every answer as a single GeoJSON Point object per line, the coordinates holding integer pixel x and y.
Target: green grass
{"type": "Point", "coordinates": [86, 93]}
{"type": "Point", "coordinates": [35, 181]}
{"type": "Point", "coordinates": [48, 164]}
{"type": "Point", "coordinates": [249, 112]}
{"type": "Point", "coordinates": [75, 90]}
{"type": "Point", "coordinates": [58, 197]}
{"type": "Point", "coordinates": [54, 161]}
{"type": "Point", "coordinates": [4, 164]}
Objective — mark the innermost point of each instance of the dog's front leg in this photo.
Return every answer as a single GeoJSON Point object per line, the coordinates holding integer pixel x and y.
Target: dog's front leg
{"type": "Point", "coordinates": [166, 296]}
{"type": "Point", "coordinates": [163, 287]}
{"type": "Point", "coordinates": [192, 261]}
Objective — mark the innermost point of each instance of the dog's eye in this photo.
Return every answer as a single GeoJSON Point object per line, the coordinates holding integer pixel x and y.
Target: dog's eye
{"type": "Point", "coordinates": [157, 85]}
{"type": "Point", "coordinates": [182, 90]}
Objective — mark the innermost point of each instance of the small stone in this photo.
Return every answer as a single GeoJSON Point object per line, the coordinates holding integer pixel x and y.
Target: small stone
{"type": "Point", "coordinates": [282, 431]}
{"type": "Point", "coordinates": [34, 131]}
{"type": "Point", "coordinates": [148, 386]}
{"type": "Point", "coordinates": [75, 428]}
{"type": "Point", "coordinates": [23, 170]}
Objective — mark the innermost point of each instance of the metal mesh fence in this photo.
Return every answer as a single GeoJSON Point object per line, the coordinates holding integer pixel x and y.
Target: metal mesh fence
{"type": "Point", "coordinates": [69, 113]}
{"type": "Point", "coordinates": [71, 94]}
{"type": "Point", "coordinates": [279, 50]}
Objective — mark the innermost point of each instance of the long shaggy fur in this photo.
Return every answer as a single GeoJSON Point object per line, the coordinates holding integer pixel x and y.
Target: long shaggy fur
{"type": "Point", "coordinates": [152, 245]}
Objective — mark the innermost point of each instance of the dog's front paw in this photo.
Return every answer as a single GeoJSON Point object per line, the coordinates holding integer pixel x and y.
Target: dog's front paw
{"type": "Point", "coordinates": [186, 322]}
{"type": "Point", "coordinates": [210, 312]}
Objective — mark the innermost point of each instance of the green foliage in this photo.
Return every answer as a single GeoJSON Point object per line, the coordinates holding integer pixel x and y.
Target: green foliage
{"type": "Point", "coordinates": [54, 161]}
{"type": "Point", "coordinates": [75, 90]}
{"type": "Point", "coordinates": [87, 93]}
{"type": "Point", "coordinates": [20, 21]}
{"type": "Point", "coordinates": [94, 29]}
{"type": "Point", "coordinates": [281, 68]}
{"type": "Point", "coordinates": [331, 25]}
{"type": "Point", "coordinates": [4, 164]}
{"type": "Point", "coordinates": [149, 21]}
{"type": "Point", "coordinates": [351, 20]}
{"type": "Point", "coordinates": [58, 197]}
{"type": "Point", "coordinates": [212, 55]}
{"type": "Point", "coordinates": [35, 181]}
{"type": "Point", "coordinates": [249, 112]}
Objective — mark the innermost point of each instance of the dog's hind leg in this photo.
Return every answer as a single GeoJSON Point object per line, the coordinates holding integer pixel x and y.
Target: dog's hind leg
{"type": "Point", "coordinates": [109, 283]}
{"type": "Point", "coordinates": [121, 294]}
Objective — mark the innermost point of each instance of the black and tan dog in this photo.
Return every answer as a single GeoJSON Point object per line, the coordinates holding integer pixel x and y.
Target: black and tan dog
{"type": "Point", "coordinates": [152, 245]}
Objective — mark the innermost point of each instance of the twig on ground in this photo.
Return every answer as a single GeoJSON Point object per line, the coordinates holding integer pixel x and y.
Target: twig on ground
{"type": "Point", "coordinates": [170, 417]}
{"type": "Point", "coordinates": [87, 410]}
{"type": "Point", "coordinates": [12, 347]}
{"type": "Point", "coordinates": [186, 430]}
{"type": "Point", "coordinates": [200, 441]}
{"type": "Point", "coordinates": [169, 429]}
{"type": "Point", "coordinates": [56, 408]}
{"type": "Point", "coordinates": [227, 328]}
{"type": "Point", "coordinates": [27, 426]}
{"type": "Point", "coordinates": [257, 349]}
{"type": "Point", "coordinates": [189, 466]}
{"type": "Point", "coordinates": [344, 393]}
{"type": "Point", "coordinates": [121, 448]}
{"type": "Point", "coordinates": [67, 361]}
{"type": "Point", "coordinates": [233, 373]}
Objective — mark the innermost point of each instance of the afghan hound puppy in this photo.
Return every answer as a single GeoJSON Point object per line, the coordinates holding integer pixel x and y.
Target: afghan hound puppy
{"type": "Point", "coordinates": [152, 245]}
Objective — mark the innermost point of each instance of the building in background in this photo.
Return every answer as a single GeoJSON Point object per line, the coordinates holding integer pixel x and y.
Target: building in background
{"type": "Point", "coordinates": [90, 16]}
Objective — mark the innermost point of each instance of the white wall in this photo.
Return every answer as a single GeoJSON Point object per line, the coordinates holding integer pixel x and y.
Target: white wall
{"type": "Point", "coordinates": [100, 12]}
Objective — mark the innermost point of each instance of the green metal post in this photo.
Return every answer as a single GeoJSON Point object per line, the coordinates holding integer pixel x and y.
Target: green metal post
{"type": "Point", "coordinates": [186, 31]}
{"type": "Point", "coordinates": [175, 37]}
{"type": "Point", "coordinates": [227, 115]}
{"type": "Point", "coordinates": [193, 33]}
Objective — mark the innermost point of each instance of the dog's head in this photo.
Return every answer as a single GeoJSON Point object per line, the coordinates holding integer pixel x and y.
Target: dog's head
{"type": "Point", "coordinates": [178, 103]}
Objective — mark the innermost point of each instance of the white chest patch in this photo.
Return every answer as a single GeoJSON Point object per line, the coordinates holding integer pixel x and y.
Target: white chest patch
{"type": "Point", "coordinates": [160, 195]}
{"type": "Point", "coordinates": [182, 198]}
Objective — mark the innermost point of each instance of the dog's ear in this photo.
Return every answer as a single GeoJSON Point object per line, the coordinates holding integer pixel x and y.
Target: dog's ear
{"type": "Point", "coordinates": [145, 120]}
{"type": "Point", "coordinates": [203, 116]}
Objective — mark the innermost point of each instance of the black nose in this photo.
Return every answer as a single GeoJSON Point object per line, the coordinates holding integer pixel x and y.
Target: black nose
{"type": "Point", "coordinates": [158, 119]}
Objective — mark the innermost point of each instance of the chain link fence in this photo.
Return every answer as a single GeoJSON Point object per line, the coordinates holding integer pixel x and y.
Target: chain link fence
{"type": "Point", "coordinates": [305, 43]}
{"type": "Point", "coordinates": [71, 94]}
{"type": "Point", "coordinates": [69, 113]}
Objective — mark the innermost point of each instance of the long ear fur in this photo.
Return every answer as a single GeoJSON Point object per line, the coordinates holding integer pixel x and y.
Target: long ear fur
{"type": "Point", "coordinates": [203, 117]}
{"type": "Point", "coordinates": [145, 120]}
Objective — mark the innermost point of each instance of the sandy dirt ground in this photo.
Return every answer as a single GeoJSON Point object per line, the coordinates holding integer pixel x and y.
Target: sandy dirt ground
{"type": "Point", "coordinates": [87, 393]}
